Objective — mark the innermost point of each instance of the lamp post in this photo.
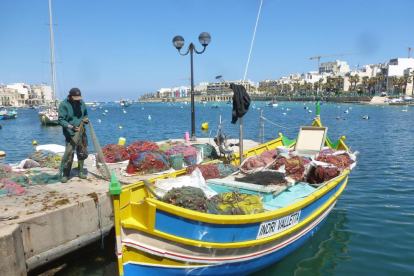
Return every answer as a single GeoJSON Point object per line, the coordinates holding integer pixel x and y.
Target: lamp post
{"type": "Point", "coordinates": [178, 43]}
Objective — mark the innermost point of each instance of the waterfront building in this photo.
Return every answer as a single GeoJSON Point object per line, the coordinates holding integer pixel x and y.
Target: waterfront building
{"type": "Point", "coordinates": [10, 97]}
{"type": "Point", "coordinates": [201, 88]}
{"type": "Point", "coordinates": [179, 92]}
{"type": "Point", "coordinates": [164, 93]}
{"type": "Point", "coordinates": [336, 67]}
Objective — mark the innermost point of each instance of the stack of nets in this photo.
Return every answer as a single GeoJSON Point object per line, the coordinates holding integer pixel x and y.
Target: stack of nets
{"type": "Point", "coordinates": [261, 161]}
{"type": "Point", "coordinates": [264, 178]}
{"type": "Point", "coordinates": [215, 170]}
{"type": "Point", "coordinates": [13, 183]}
{"type": "Point", "coordinates": [209, 171]}
{"type": "Point", "coordinates": [46, 158]}
{"type": "Point", "coordinates": [321, 174]}
{"type": "Point", "coordinates": [232, 203]}
{"type": "Point", "coordinates": [295, 166]}
{"type": "Point", "coordinates": [342, 161]}
{"type": "Point", "coordinates": [189, 153]}
{"type": "Point", "coordinates": [115, 153]}
{"type": "Point", "coordinates": [146, 162]}
{"type": "Point", "coordinates": [143, 145]}
{"type": "Point", "coordinates": [209, 152]}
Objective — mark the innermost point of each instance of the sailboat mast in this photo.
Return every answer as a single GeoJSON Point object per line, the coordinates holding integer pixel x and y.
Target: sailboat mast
{"type": "Point", "coordinates": [52, 60]}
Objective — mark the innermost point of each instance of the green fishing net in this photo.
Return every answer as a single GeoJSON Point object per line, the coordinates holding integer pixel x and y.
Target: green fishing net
{"type": "Point", "coordinates": [232, 203]}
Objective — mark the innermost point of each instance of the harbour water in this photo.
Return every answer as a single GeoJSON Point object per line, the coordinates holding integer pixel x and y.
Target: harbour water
{"type": "Point", "coordinates": [369, 232]}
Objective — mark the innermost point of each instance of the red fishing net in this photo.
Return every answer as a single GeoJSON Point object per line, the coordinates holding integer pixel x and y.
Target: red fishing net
{"type": "Point", "coordinates": [115, 153]}
{"type": "Point", "coordinates": [143, 145]}
{"type": "Point", "coordinates": [147, 162]}
{"type": "Point", "coordinates": [295, 166]}
{"type": "Point", "coordinates": [341, 161]}
{"type": "Point", "coordinates": [269, 156]}
{"type": "Point", "coordinates": [321, 174]}
{"type": "Point", "coordinates": [209, 171]}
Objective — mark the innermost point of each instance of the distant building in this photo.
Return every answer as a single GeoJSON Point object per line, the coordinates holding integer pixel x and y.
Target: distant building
{"type": "Point", "coordinates": [334, 67]}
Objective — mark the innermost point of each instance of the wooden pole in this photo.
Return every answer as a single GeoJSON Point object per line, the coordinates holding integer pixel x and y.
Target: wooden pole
{"type": "Point", "coordinates": [260, 124]}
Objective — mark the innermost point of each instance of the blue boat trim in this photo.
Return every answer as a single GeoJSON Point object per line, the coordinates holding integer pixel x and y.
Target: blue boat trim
{"type": "Point", "coordinates": [220, 233]}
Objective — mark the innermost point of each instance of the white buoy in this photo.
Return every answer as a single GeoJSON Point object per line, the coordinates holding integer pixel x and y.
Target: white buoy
{"type": "Point", "coordinates": [284, 114]}
{"type": "Point", "coordinates": [106, 110]}
{"type": "Point", "coordinates": [310, 111]}
{"type": "Point", "coordinates": [149, 117]}
{"type": "Point", "coordinates": [124, 111]}
{"type": "Point", "coordinates": [142, 108]}
{"type": "Point", "coordinates": [99, 121]}
{"type": "Point", "coordinates": [346, 111]}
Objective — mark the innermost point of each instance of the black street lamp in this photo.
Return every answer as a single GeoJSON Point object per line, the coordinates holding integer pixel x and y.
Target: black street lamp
{"type": "Point", "coordinates": [178, 43]}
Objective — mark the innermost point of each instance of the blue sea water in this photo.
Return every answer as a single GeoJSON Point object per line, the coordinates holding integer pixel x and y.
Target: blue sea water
{"type": "Point", "coordinates": [369, 232]}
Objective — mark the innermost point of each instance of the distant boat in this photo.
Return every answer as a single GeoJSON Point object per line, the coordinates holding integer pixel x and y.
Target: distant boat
{"type": "Point", "coordinates": [6, 114]}
{"type": "Point", "coordinates": [272, 104]}
{"type": "Point", "coordinates": [185, 102]}
{"type": "Point", "coordinates": [95, 104]}
{"type": "Point", "coordinates": [229, 102]}
{"type": "Point", "coordinates": [203, 102]}
{"type": "Point", "coordinates": [50, 115]}
{"type": "Point", "coordinates": [215, 105]}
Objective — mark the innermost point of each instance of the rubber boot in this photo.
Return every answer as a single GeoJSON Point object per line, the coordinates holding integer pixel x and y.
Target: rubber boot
{"type": "Point", "coordinates": [80, 169]}
{"type": "Point", "coordinates": [65, 174]}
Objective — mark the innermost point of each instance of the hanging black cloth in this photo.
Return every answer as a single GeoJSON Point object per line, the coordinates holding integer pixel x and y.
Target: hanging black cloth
{"type": "Point", "coordinates": [241, 102]}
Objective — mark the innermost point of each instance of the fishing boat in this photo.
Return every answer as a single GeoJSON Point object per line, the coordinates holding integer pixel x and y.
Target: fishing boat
{"type": "Point", "coordinates": [215, 105]}
{"type": "Point", "coordinates": [50, 115]}
{"type": "Point", "coordinates": [6, 114]}
{"type": "Point", "coordinates": [95, 104]}
{"type": "Point", "coordinates": [203, 101]}
{"type": "Point", "coordinates": [185, 102]}
{"type": "Point", "coordinates": [272, 104]}
{"type": "Point", "coordinates": [157, 238]}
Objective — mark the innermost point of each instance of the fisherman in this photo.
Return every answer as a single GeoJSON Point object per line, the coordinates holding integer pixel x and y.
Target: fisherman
{"type": "Point", "coordinates": [72, 111]}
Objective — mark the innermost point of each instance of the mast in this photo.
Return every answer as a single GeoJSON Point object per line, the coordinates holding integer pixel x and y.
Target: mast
{"type": "Point", "coordinates": [52, 60]}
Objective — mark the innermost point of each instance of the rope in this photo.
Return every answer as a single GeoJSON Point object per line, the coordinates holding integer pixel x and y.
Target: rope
{"type": "Point", "coordinates": [251, 46]}
{"type": "Point", "coordinates": [307, 123]}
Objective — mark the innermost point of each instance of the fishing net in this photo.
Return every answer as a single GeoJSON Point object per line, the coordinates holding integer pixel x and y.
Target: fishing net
{"type": "Point", "coordinates": [226, 169]}
{"type": "Point", "coordinates": [295, 166]}
{"type": "Point", "coordinates": [209, 171]}
{"type": "Point", "coordinates": [11, 189]}
{"type": "Point", "coordinates": [321, 174]}
{"type": "Point", "coordinates": [189, 153]}
{"type": "Point", "coordinates": [252, 163]}
{"type": "Point", "coordinates": [209, 152]}
{"type": "Point", "coordinates": [100, 159]}
{"type": "Point", "coordinates": [46, 158]}
{"type": "Point", "coordinates": [264, 178]}
{"type": "Point", "coordinates": [144, 145]}
{"type": "Point", "coordinates": [341, 161]}
{"type": "Point", "coordinates": [232, 203]}
{"type": "Point", "coordinates": [147, 162]}
{"type": "Point", "coordinates": [269, 156]}
{"type": "Point", "coordinates": [115, 153]}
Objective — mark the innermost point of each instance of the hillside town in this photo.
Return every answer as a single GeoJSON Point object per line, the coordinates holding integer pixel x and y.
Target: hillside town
{"type": "Point", "coordinates": [332, 78]}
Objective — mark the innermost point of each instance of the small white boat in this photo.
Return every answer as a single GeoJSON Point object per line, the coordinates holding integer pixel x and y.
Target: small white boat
{"type": "Point", "coordinates": [272, 104]}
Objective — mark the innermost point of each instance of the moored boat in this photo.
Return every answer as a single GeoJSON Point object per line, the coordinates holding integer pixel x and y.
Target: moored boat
{"type": "Point", "coordinates": [215, 105]}
{"type": "Point", "coordinates": [49, 116]}
{"type": "Point", "coordinates": [6, 114]}
{"type": "Point", "coordinates": [272, 104]}
{"type": "Point", "coordinates": [157, 238]}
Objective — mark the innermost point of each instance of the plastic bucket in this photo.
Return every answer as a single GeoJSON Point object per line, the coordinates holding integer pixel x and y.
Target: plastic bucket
{"type": "Point", "coordinates": [176, 161]}
{"type": "Point", "coordinates": [283, 150]}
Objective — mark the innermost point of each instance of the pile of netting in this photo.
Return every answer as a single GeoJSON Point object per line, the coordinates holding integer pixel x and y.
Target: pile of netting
{"type": "Point", "coordinates": [294, 167]}
{"type": "Point", "coordinates": [13, 183]}
{"type": "Point", "coordinates": [251, 164]}
{"type": "Point", "coordinates": [209, 152]}
{"type": "Point", "coordinates": [115, 153]}
{"type": "Point", "coordinates": [341, 161]}
{"type": "Point", "coordinates": [321, 174]}
{"type": "Point", "coordinates": [46, 158]}
{"type": "Point", "coordinates": [189, 153]}
{"type": "Point", "coordinates": [264, 178]}
{"type": "Point", "coordinates": [214, 170]}
{"type": "Point", "coordinates": [145, 162]}
{"type": "Point", "coordinates": [232, 203]}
